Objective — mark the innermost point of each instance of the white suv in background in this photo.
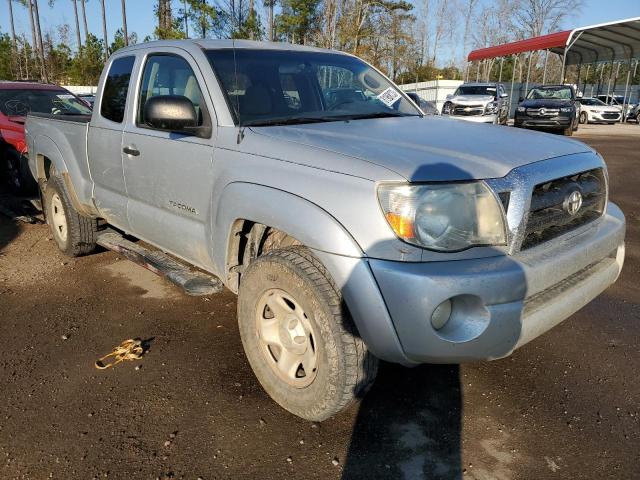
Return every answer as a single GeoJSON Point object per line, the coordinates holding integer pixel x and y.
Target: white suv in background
{"type": "Point", "coordinates": [479, 102]}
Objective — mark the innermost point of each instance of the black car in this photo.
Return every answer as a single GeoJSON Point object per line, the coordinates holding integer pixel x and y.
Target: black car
{"type": "Point", "coordinates": [549, 107]}
{"type": "Point", "coordinates": [427, 107]}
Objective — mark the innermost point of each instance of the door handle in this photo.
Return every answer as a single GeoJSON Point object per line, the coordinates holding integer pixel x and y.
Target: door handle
{"type": "Point", "coordinates": [131, 151]}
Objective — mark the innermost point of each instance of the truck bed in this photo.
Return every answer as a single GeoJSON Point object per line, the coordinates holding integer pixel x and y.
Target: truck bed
{"type": "Point", "coordinates": [62, 139]}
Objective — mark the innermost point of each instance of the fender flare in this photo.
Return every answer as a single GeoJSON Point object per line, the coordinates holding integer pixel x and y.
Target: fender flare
{"type": "Point", "coordinates": [41, 144]}
{"type": "Point", "coordinates": [290, 213]}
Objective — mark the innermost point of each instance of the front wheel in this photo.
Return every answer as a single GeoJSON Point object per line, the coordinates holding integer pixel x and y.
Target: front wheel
{"type": "Point", "coordinates": [583, 118]}
{"type": "Point", "coordinates": [299, 339]}
{"type": "Point", "coordinates": [567, 132]}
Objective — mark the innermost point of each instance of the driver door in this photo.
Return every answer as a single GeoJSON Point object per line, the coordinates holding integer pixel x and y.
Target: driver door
{"type": "Point", "coordinates": [169, 175]}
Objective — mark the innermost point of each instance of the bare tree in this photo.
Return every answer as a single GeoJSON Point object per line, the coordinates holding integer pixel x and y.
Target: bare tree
{"type": "Point", "coordinates": [124, 22]}
{"type": "Point", "coordinates": [538, 17]}
{"type": "Point", "coordinates": [104, 33]}
{"type": "Point", "coordinates": [36, 14]}
{"type": "Point", "coordinates": [84, 20]}
{"type": "Point", "coordinates": [75, 11]}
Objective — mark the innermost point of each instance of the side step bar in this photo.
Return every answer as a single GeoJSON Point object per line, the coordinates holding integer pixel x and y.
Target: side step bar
{"type": "Point", "coordinates": [191, 281]}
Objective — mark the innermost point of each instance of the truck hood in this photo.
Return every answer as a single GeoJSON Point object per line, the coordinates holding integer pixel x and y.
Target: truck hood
{"type": "Point", "coordinates": [426, 149]}
{"type": "Point", "coordinates": [472, 99]}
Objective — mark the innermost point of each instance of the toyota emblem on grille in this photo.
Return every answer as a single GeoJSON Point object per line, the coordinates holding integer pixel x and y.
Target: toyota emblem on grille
{"type": "Point", "coordinates": [573, 202]}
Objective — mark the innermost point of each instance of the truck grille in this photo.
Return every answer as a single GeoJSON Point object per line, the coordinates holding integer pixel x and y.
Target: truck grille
{"type": "Point", "coordinates": [551, 213]}
{"type": "Point", "coordinates": [468, 110]}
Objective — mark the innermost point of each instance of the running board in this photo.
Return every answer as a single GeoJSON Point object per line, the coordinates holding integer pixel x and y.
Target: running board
{"type": "Point", "coordinates": [191, 281]}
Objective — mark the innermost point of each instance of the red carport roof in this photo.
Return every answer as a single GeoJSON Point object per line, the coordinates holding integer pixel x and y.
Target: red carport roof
{"type": "Point", "coordinates": [552, 40]}
{"type": "Point", "coordinates": [605, 42]}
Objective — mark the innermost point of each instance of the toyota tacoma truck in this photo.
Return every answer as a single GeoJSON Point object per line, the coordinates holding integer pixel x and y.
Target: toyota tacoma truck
{"type": "Point", "coordinates": [479, 102]}
{"type": "Point", "coordinates": [352, 228]}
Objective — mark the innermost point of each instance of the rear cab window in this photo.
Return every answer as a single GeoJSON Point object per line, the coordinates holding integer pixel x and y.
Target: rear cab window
{"type": "Point", "coordinates": [116, 87]}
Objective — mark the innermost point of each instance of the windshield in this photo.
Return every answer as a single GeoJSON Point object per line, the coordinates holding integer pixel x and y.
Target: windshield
{"type": "Point", "coordinates": [268, 87]}
{"type": "Point", "coordinates": [593, 102]}
{"type": "Point", "coordinates": [555, 93]}
{"type": "Point", "coordinates": [476, 90]}
{"type": "Point", "coordinates": [56, 102]}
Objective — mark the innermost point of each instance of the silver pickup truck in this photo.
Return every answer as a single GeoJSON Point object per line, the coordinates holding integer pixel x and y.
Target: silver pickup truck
{"type": "Point", "coordinates": [352, 228]}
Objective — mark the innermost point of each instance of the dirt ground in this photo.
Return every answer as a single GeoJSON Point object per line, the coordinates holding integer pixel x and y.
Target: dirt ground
{"type": "Point", "coordinates": [566, 405]}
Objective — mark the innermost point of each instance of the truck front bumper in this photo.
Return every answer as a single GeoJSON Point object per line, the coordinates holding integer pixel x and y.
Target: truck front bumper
{"type": "Point", "coordinates": [499, 303]}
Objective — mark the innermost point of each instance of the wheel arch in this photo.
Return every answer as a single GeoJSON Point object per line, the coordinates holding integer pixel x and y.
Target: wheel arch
{"type": "Point", "coordinates": [248, 213]}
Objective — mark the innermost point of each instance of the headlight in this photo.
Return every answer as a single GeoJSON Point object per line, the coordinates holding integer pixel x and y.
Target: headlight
{"type": "Point", "coordinates": [521, 109]}
{"type": "Point", "coordinates": [491, 108]}
{"type": "Point", "coordinates": [444, 216]}
{"type": "Point", "coordinates": [566, 109]}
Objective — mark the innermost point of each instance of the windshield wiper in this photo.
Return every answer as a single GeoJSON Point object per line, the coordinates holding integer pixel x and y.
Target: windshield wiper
{"type": "Point", "coordinates": [362, 116]}
{"type": "Point", "coordinates": [326, 118]}
{"type": "Point", "coordinates": [290, 121]}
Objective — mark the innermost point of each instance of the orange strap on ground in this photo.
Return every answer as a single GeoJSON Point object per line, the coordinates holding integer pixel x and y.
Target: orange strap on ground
{"type": "Point", "coordinates": [128, 350]}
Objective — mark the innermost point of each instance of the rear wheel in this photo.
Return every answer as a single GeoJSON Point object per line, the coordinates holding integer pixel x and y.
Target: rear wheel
{"type": "Point", "coordinates": [74, 234]}
{"type": "Point", "coordinates": [568, 131]}
{"type": "Point", "coordinates": [299, 339]}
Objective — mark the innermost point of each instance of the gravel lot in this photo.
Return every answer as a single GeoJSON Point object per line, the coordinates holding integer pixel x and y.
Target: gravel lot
{"type": "Point", "coordinates": [565, 406]}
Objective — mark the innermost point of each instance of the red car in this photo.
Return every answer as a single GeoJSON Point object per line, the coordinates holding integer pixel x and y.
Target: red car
{"type": "Point", "coordinates": [16, 100]}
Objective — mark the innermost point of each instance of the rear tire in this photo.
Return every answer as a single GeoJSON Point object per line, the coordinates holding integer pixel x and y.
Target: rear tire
{"type": "Point", "coordinates": [567, 132]}
{"type": "Point", "coordinates": [74, 234]}
{"type": "Point", "coordinates": [299, 339]}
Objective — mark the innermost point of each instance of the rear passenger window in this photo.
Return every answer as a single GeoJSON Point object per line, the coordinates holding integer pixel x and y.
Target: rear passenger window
{"type": "Point", "coordinates": [114, 97]}
{"type": "Point", "coordinates": [169, 75]}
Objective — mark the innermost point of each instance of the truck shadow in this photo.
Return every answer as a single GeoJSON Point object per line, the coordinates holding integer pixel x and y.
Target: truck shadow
{"type": "Point", "coordinates": [408, 426]}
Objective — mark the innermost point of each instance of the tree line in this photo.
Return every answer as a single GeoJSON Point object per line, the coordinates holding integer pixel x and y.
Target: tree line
{"type": "Point", "coordinates": [410, 41]}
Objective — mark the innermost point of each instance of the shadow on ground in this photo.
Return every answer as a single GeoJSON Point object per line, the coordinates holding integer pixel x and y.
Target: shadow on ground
{"type": "Point", "coordinates": [408, 426]}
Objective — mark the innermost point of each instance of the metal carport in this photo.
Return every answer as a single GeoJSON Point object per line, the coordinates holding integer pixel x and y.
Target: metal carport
{"type": "Point", "coordinates": [612, 42]}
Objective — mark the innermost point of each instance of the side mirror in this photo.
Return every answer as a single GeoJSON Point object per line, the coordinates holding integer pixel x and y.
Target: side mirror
{"type": "Point", "coordinates": [170, 112]}
{"type": "Point", "coordinates": [504, 95]}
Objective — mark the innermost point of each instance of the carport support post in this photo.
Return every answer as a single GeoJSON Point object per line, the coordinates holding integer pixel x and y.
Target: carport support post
{"type": "Point", "coordinates": [500, 74]}
{"type": "Point", "coordinates": [513, 79]}
{"type": "Point", "coordinates": [609, 82]}
{"type": "Point", "coordinates": [526, 86]}
{"type": "Point", "coordinates": [564, 58]}
{"type": "Point", "coordinates": [478, 73]}
{"type": "Point", "coordinates": [544, 71]}
{"type": "Point", "coordinates": [623, 118]}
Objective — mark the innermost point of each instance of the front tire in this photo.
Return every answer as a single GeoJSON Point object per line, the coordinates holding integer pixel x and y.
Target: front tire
{"type": "Point", "coordinates": [299, 339]}
{"type": "Point", "coordinates": [567, 132]}
{"type": "Point", "coordinates": [74, 234]}
{"type": "Point", "coordinates": [584, 118]}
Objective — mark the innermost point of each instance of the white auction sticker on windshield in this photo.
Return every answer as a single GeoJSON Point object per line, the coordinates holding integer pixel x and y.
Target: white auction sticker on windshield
{"type": "Point", "coordinates": [389, 96]}
{"type": "Point", "coordinates": [64, 96]}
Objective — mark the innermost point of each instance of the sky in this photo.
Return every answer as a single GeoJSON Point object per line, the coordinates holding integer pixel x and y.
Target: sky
{"type": "Point", "coordinates": [141, 19]}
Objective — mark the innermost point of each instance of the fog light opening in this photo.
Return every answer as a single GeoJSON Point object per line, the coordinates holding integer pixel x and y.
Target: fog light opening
{"type": "Point", "coordinates": [441, 315]}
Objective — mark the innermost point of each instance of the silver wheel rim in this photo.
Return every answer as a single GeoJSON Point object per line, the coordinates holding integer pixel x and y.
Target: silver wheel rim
{"type": "Point", "coordinates": [58, 217]}
{"type": "Point", "coordinates": [287, 339]}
